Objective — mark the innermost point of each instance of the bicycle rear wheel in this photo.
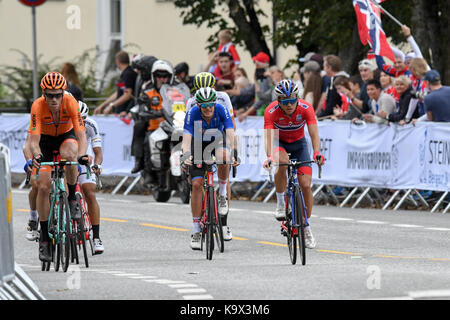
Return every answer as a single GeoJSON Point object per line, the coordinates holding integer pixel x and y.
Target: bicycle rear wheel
{"type": "Point", "coordinates": [299, 217]}
{"type": "Point", "coordinates": [291, 235]}
{"type": "Point", "coordinates": [210, 225]}
{"type": "Point", "coordinates": [81, 229]}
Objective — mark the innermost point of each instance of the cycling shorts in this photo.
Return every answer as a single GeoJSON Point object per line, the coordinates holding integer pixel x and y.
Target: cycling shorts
{"type": "Point", "coordinates": [197, 171]}
{"type": "Point", "coordinates": [298, 150]}
{"type": "Point", "coordinates": [49, 144]}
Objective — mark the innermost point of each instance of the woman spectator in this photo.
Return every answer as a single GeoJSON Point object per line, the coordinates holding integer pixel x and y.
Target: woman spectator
{"type": "Point", "coordinates": [418, 68]}
{"type": "Point", "coordinates": [243, 93]}
{"type": "Point", "coordinates": [313, 84]}
{"type": "Point", "coordinates": [403, 88]}
{"type": "Point", "coordinates": [387, 85]}
{"type": "Point", "coordinates": [73, 81]}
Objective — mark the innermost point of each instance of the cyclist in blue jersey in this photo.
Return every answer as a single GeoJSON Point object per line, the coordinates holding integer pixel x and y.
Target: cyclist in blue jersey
{"type": "Point", "coordinates": [204, 128]}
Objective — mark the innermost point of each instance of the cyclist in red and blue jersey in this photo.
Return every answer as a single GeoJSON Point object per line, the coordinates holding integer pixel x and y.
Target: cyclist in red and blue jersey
{"type": "Point", "coordinates": [284, 123]}
{"type": "Point", "coordinates": [204, 128]}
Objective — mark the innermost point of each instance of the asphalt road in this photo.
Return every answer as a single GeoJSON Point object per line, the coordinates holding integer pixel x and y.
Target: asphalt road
{"type": "Point", "coordinates": [360, 254]}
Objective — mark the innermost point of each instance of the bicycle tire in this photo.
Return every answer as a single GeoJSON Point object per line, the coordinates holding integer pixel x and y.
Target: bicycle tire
{"type": "Point", "coordinates": [65, 232]}
{"type": "Point", "coordinates": [290, 234]}
{"type": "Point", "coordinates": [218, 230]}
{"type": "Point", "coordinates": [210, 225]}
{"type": "Point", "coordinates": [81, 228]}
{"type": "Point", "coordinates": [299, 216]}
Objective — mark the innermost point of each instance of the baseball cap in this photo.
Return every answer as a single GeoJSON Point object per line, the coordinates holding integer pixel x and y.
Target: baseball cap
{"type": "Point", "coordinates": [318, 58]}
{"type": "Point", "coordinates": [432, 76]}
{"type": "Point", "coordinates": [261, 57]}
{"type": "Point", "coordinates": [307, 57]}
{"type": "Point", "coordinates": [365, 63]}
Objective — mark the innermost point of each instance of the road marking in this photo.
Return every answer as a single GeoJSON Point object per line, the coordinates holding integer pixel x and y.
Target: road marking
{"type": "Point", "coordinates": [340, 252]}
{"type": "Point", "coordinates": [406, 226]}
{"type": "Point", "coordinates": [429, 294]}
{"type": "Point", "coordinates": [198, 297]}
{"type": "Point", "coordinates": [238, 238]}
{"type": "Point", "coordinates": [371, 222]}
{"type": "Point", "coordinates": [23, 210]}
{"type": "Point", "coordinates": [183, 285]}
{"type": "Point", "coordinates": [336, 219]}
{"type": "Point", "coordinates": [263, 211]}
{"type": "Point", "coordinates": [273, 243]}
{"type": "Point", "coordinates": [195, 290]}
{"type": "Point", "coordinates": [113, 220]}
{"type": "Point", "coordinates": [143, 277]}
{"type": "Point", "coordinates": [162, 227]}
{"type": "Point", "coordinates": [438, 229]}
{"type": "Point", "coordinates": [128, 274]}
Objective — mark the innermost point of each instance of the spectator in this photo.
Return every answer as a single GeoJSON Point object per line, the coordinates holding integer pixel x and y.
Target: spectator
{"type": "Point", "coordinates": [224, 72]}
{"type": "Point", "coordinates": [225, 45]}
{"type": "Point", "coordinates": [387, 86]}
{"type": "Point", "coordinates": [262, 84]}
{"type": "Point", "coordinates": [347, 111]}
{"type": "Point", "coordinates": [418, 68]}
{"type": "Point", "coordinates": [313, 83]}
{"type": "Point", "coordinates": [403, 89]}
{"type": "Point", "coordinates": [243, 93]}
{"type": "Point", "coordinates": [355, 85]}
{"type": "Point", "coordinates": [121, 101]}
{"type": "Point", "coordinates": [73, 81]}
{"type": "Point", "coordinates": [182, 75]}
{"type": "Point", "coordinates": [437, 102]}
{"type": "Point", "coordinates": [333, 68]}
{"type": "Point", "coordinates": [366, 71]}
{"type": "Point", "coordinates": [379, 102]}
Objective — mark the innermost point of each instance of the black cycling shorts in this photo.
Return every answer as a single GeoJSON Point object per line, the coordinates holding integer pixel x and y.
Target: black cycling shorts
{"type": "Point", "coordinates": [49, 144]}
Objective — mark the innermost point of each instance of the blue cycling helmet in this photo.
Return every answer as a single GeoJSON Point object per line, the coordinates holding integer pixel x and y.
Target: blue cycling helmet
{"type": "Point", "coordinates": [286, 88]}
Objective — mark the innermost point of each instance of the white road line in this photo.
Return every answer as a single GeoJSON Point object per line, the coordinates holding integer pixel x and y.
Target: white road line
{"type": "Point", "coordinates": [371, 222]}
{"type": "Point", "coordinates": [163, 281]}
{"type": "Point", "coordinates": [406, 226]}
{"type": "Point", "coordinates": [128, 274]}
{"type": "Point", "coordinates": [263, 211]}
{"type": "Point", "coordinates": [429, 294]}
{"type": "Point", "coordinates": [144, 277]}
{"type": "Point", "coordinates": [438, 229]}
{"type": "Point", "coordinates": [183, 285]}
{"type": "Point", "coordinates": [336, 219]}
{"type": "Point", "coordinates": [198, 297]}
{"type": "Point", "coordinates": [196, 290]}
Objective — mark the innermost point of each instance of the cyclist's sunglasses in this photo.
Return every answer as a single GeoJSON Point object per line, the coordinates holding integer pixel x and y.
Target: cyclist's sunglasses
{"type": "Point", "coordinates": [285, 102]}
{"type": "Point", "coordinates": [207, 105]}
{"type": "Point", "coordinates": [50, 96]}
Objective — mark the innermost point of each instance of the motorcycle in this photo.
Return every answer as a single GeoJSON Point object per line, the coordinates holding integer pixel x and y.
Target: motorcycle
{"type": "Point", "coordinates": [165, 146]}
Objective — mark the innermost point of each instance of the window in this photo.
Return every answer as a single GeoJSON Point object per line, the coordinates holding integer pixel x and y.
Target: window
{"type": "Point", "coordinates": [116, 23]}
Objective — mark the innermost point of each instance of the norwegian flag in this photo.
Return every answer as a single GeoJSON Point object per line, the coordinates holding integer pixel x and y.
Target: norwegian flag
{"type": "Point", "coordinates": [369, 27]}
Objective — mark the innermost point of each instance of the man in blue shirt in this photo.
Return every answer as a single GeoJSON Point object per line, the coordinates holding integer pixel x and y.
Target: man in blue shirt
{"type": "Point", "coordinates": [437, 102]}
{"type": "Point", "coordinates": [203, 137]}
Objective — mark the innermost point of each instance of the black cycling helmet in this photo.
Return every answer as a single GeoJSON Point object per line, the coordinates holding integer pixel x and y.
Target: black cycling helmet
{"type": "Point", "coordinates": [144, 65]}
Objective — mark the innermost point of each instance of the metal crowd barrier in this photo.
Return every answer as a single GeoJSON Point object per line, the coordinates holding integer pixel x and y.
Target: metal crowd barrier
{"type": "Point", "coordinates": [14, 283]}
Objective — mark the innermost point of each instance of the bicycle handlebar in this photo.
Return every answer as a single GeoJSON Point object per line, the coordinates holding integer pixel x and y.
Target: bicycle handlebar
{"type": "Point", "coordinates": [61, 163]}
{"type": "Point", "coordinates": [296, 164]}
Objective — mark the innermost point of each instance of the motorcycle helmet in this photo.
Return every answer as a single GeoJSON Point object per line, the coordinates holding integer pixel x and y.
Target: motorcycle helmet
{"type": "Point", "coordinates": [162, 67]}
{"type": "Point", "coordinates": [144, 65]}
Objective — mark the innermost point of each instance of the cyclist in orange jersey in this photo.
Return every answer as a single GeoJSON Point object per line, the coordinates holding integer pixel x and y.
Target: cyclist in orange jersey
{"type": "Point", "coordinates": [56, 125]}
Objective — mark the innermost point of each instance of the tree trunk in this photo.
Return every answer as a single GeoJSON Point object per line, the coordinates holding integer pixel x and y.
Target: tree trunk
{"type": "Point", "coordinates": [251, 30]}
{"type": "Point", "coordinates": [351, 56]}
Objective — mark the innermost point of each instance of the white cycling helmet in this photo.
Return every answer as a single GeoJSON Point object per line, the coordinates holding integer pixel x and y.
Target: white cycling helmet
{"type": "Point", "coordinates": [163, 66]}
{"type": "Point", "coordinates": [84, 109]}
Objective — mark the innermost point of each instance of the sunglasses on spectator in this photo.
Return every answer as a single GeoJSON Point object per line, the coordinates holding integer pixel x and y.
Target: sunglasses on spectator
{"type": "Point", "coordinates": [51, 96]}
{"type": "Point", "coordinates": [207, 105]}
{"type": "Point", "coordinates": [285, 102]}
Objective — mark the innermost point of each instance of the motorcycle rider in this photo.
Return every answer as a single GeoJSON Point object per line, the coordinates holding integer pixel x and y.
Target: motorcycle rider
{"type": "Point", "coordinates": [143, 65]}
{"type": "Point", "coordinates": [162, 73]}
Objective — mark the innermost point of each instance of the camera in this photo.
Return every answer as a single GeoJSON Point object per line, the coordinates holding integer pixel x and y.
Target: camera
{"type": "Point", "coordinates": [418, 94]}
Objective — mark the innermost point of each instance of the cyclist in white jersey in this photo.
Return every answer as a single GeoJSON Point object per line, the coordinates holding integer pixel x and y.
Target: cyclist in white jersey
{"type": "Point", "coordinates": [204, 80]}
{"type": "Point", "coordinates": [89, 186]}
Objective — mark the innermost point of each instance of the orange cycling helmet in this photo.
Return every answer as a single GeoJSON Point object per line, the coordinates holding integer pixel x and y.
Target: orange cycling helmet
{"type": "Point", "coordinates": [53, 80]}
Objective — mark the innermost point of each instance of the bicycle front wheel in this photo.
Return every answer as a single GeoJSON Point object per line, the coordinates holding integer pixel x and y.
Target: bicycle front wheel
{"type": "Point", "coordinates": [300, 222]}
{"type": "Point", "coordinates": [210, 223]}
{"type": "Point", "coordinates": [64, 240]}
{"type": "Point", "coordinates": [217, 223]}
{"type": "Point", "coordinates": [291, 233]}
